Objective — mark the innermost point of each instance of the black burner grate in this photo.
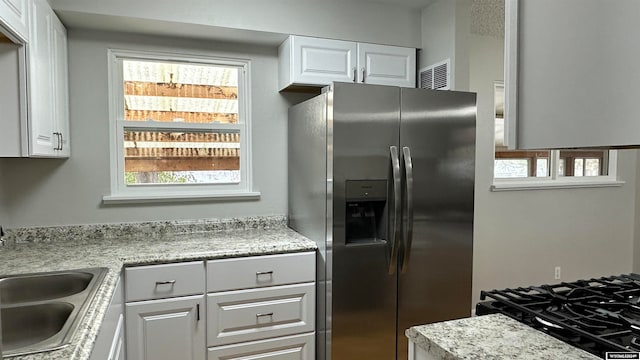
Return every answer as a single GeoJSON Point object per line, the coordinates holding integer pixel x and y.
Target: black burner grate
{"type": "Point", "coordinates": [596, 315]}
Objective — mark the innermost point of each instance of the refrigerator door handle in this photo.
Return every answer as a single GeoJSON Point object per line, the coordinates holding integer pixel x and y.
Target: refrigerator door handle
{"type": "Point", "coordinates": [408, 229]}
{"type": "Point", "coordinates": [396, 189]}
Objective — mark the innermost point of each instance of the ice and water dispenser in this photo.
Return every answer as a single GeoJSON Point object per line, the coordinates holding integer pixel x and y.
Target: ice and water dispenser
{"type": "Point", "coordinates": [366, 202]}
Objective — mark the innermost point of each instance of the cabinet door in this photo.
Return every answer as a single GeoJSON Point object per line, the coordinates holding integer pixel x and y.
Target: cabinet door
{"type": "Point", "coordinates": [13, 88]}
{"type": "Point", "coordinates": [111, 329]}
{"type": "Point", "coordinates": [386, 65]}
{"type": "Point", "coordinates": [167, 329]}
{"type": "Point", "coordinates": [116, 352]}
{"type": "Point", "coordinates": [321, 61]}
{"type": "Point", "coordinates": [14, 17]}
{"type": "Point", "coordinates": [43, 141]}
{"type": "Point", "coordinates": [61, 86]}
{"type": "Point", "coordinates": [296, 347]}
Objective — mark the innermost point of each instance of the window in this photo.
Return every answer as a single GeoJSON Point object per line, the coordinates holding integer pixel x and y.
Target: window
{"type": "Point", "coordinates": [180, 127]}
{"type": "Point", "coordinates": [546, 168]}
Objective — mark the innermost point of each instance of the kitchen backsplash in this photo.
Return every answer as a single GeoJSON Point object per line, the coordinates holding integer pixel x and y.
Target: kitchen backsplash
{"type": "Point", "coordinates": [152, 229]}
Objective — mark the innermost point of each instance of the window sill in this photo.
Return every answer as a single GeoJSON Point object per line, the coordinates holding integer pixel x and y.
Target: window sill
{"type": "Point", "coordinates": [552, 184]}
{"type": "Point", "coordinates": [173, 198]}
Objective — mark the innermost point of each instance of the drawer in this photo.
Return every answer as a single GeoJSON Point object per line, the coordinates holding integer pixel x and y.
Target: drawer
{"type": "Point", "coordinates": [164, 281]}
{"type": "Point", "coordinates": [254, 314]}
{"type": "Point", "coordinates": [296, 347]}
{"type": "Point", "coordinates": [259, 271]}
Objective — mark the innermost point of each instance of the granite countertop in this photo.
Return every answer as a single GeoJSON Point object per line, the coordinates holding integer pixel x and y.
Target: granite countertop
{"type": "Point", "coordinates": [94, 246]}
{"type": "Point", "coordinates": [495, 337]}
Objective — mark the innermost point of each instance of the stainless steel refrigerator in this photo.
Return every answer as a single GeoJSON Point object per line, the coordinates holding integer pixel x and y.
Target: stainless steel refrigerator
{"type": "Point", "coordinates": [382, 179]}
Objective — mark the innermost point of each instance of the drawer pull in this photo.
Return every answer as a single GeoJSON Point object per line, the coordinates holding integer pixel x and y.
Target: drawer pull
{"type": "Point", "coordinates": [170, 282]}
{"type": "Point", "coordinates": [258, 316]}
{"type": "Point", "coordinates": [264, 273]}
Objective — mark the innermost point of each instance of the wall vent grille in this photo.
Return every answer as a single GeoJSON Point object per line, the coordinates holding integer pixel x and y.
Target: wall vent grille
{"type": "Point", "coordinates": [436, 76]}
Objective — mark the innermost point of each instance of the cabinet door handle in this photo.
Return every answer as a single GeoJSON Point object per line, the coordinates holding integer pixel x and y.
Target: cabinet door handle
{"type": "Point", "coordinates": [61, 141]}
{"type": "Point", "coordinates": [198, 312]}
{"type": "Point", "coordinates": [355, 74]}
{"type": "Point", "coordinates": [170, 282]}
{"type": "Point", "coordinates": [363, 74]}
{"type": "Point", "coordinates": [264, 273]}
{"type": "Point", "coordinates": [57, 135]}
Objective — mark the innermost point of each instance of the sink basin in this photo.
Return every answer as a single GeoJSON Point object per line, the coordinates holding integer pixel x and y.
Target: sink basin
{"type": "Point", "coordinates": [40, 312]}
{"type": "Point", "coordinates": [20, 289]}
{"type": "Point", "coordinates": [31, 324]}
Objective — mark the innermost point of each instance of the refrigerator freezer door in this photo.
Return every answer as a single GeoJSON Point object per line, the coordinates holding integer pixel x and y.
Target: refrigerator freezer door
{"type": "Point", "coordinates": [439, 129]}
{"type": "Point", "coordinates": [307, 185]}
{"type": "Point", "coordinates": [364, 124]}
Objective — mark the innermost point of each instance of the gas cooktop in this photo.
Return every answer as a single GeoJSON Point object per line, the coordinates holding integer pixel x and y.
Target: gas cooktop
{"type": "Point", "coordinates": [597, 315]}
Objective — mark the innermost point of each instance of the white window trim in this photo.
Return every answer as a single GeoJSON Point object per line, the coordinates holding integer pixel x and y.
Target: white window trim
{"type": "Point", "coordinates": [560, 182]}
{"type": "Point", "coordinates": [554, 181]}
{"type": "Point", "coordinates": [120, 192]}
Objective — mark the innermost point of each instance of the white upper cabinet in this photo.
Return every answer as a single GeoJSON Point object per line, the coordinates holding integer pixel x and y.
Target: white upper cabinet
{"type": "Point", "coordinates": [315, 62]}
{"type": "Point", "coordinates": [61, 86]}
{"type": "Point", "coordinates": [14, 17]}
{"type": "Point", "coordinates": [48, 91]}
{"type": "Point", "coordinates": [41, 112]}
{"type": "Point", "coordinates": [387, 65]}
{"type": "Point", "coordinates": [35, 97]}
{"type": "Point", "coordinates": [572, 73]}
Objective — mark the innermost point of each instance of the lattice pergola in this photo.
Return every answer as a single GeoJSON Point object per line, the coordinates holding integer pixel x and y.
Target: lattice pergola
{"type": "Point", "coordinates": [180, 93]}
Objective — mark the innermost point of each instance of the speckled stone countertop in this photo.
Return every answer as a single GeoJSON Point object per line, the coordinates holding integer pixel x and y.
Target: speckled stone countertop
{"type": "Point", "coordinates": [113, 247]}
{"type": "Point", "coordinates": [490, 337]}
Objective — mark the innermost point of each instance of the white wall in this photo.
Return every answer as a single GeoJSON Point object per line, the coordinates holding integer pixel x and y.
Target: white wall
{"type": "Point", "coordinates": [50, 192]}
{"type": "Point", "coordinates": [349, 20]}
{"type": "Point", "coordinates": [520, 236]}
{"type": "Point", "coordinates": [438, 32]}
{"type": "Point", "coordinates": [445, 35]}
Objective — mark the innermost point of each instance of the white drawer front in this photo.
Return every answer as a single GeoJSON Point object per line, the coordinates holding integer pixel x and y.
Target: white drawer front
{"type": "Point", "coordinates": [296, 347]}
{"type": "Point", "coordinates": [245, 315]}
{"type": "Point", "coordinates": [259, 271]}
{"type": "Point", "coordinates": [164, 281]}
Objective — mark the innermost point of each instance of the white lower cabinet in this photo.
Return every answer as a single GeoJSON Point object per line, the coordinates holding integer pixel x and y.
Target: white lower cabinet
{"type": "Point", "coordinates": [166, 329]}
{"type": "Point", "coordinates": [418, 353]}
{"type": "Point", "coordinates": [260, 307]}
{"type": "Point", "coordinates": [110, 341]}
{"type": "Point", "coordinates": [165, 311]}
{"type": "Point", "coordinates": [266, 312]}
{"type": "Point", "coordinates": [117, 346]}
{"type": "Point", "coordinates": [295, 347]}
{"type": "Point", "coordinates": [245, 315]}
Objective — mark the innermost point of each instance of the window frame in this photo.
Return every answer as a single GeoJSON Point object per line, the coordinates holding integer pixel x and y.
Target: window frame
{"type": "Point", "coordinates": [123, 193]}
{"type": "Point", "coordinates": [554, 180]}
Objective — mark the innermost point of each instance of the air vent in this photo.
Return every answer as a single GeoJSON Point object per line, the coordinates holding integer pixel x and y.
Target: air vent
{"type": "Point", "coordinates": [436, 76]}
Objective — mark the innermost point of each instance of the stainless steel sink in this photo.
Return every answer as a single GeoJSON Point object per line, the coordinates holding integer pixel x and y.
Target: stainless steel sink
{"type": "Point", "coordinates": [40, 287]}
{"type": "Point", "coordinates": [31, 324]}
{"type": "Point", "coordinates": [40, 312]}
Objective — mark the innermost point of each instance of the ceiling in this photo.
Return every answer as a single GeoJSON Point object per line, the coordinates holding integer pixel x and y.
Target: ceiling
{"type": "Point", "coordinates": [414, 4]}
